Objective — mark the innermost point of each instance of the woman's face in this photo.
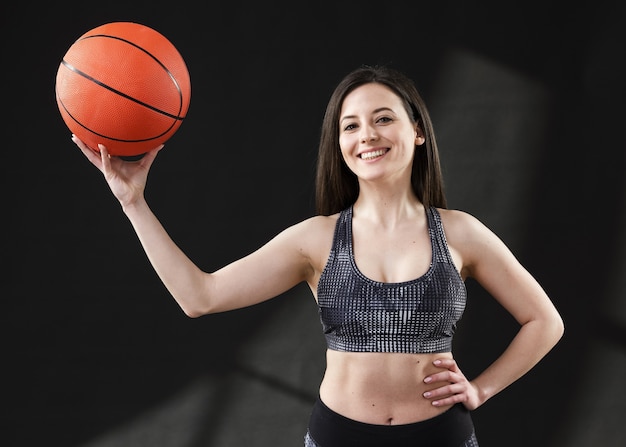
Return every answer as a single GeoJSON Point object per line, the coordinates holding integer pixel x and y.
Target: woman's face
{"type": "Point", "coordinates": [376, 135]}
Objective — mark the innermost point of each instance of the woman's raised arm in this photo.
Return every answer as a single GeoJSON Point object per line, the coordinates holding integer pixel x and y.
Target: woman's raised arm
{"type": "Point", "coordinates": [272, 269]}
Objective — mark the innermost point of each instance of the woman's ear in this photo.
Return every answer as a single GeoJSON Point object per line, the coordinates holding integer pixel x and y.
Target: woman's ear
{"type": "Point", "coordinates": [419, 136]}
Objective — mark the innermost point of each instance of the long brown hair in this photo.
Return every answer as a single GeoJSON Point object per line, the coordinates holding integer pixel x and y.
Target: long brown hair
{"type": "Point", "coordinates": [336, 186]}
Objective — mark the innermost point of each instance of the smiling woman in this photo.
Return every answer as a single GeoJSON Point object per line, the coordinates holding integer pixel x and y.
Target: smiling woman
{"type": "Point", "coordinates": [386, 262]}
{"type": "Point", "coordinates": [374, 125]}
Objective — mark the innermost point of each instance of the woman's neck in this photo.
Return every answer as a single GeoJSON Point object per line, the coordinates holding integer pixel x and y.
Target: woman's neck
{"type": "Point", "coordinates": [385, 206]}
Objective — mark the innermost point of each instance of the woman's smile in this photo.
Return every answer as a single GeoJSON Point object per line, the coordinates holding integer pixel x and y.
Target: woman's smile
{"type": "Point", "coordinates": [373, 154]}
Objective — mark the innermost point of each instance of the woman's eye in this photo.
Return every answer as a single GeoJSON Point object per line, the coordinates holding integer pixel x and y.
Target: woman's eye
{"type": "Point", "coordinates": [383, 119]}
{"type": "Point", "coordinates": [350, 127]}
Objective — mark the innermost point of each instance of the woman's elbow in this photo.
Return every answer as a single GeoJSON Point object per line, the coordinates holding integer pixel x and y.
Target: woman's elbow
{"type": "Point", "coordinates": [556, 327]}
{"type": "Point", "coordinates": [194, 309]}
{"type": "Point", "coordinates": [192, 313]}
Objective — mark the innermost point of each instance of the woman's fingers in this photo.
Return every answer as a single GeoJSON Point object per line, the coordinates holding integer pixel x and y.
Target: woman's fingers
{"type": "Point", "coordinates": [105, 159]}
{"type": "Point", "coordinates": [149, 157]}
{"type": "Point", "coordinates": [449, 368]}
{"type": "Point", "coordinates": [92, 155]}
{"type": "Point", "coordinates": [455, 388]}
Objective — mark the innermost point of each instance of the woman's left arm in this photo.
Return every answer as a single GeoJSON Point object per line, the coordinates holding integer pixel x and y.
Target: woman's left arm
{"type": "Point", "coordinates": [484, 257]}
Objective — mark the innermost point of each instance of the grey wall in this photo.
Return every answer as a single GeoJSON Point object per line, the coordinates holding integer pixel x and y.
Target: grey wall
{"type": "Point", "coordinates": [528, 105]}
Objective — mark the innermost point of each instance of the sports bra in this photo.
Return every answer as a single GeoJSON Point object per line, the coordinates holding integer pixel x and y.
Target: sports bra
{"type": "Point", "coordinates": [359, 314]}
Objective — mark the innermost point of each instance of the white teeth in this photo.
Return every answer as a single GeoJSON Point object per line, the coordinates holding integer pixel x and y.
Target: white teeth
{"type": "Point", "coordinates": [373, 154]}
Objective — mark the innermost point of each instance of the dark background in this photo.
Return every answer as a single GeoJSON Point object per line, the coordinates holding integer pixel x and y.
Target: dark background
{"type": "Point", "coordinates": [527, 100]}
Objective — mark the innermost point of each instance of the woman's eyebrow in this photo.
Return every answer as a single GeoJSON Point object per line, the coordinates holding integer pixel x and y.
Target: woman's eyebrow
{"type": "Point", "coordinates": [380, 109]}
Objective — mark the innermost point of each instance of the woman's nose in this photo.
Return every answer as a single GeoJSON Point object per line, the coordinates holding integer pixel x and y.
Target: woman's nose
{"type": "Point", "coordinates": [368, 134]}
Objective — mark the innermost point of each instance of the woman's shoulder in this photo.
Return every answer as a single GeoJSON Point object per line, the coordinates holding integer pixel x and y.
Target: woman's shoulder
{"type": "Point", "coordinates": [456, 216]}
{"type": "Point", "coordinates": [461, 225]}
{"type": "Point", "coordinates": [311, 229]}
{"type": "Point", "coordinates": [317, 225]}
{"type": "Point", "coordinates": [312, 238]}
{"type": "Point", "coordinates": [468, 239]}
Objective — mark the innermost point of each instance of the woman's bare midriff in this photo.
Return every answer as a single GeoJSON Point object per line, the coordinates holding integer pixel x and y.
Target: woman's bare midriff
{"type": "Point", "coordinates": [380, 388]}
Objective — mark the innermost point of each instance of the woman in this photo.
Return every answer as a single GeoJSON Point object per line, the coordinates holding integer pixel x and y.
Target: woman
{"type": "Point", "coordinates": [386, 262]}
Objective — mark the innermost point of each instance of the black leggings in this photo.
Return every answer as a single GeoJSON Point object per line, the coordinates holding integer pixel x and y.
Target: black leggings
{"type": "Point", "coordinates": [453, 428]}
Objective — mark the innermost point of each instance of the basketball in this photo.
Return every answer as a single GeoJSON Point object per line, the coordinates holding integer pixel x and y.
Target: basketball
{"type": "Point", "coordinates": [123, 85]}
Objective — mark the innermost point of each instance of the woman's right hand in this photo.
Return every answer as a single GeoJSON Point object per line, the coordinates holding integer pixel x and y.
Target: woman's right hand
{"type": "Point", "coordinates": [127, 179]}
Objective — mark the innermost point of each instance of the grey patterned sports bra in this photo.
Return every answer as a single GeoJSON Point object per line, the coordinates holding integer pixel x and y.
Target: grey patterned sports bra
{"type": "Point", "coordinates": [417, 316]}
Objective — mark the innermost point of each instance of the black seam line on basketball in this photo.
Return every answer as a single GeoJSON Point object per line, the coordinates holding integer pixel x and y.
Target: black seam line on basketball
{"type": "Point", "coordinates": [108, 87]}
{"type": "Point", "coordinates": [169, 73]}
{"type": "Point", "coordinates": [140, 140]}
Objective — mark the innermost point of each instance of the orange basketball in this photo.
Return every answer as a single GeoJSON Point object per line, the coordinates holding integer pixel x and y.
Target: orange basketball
{"type": "Point", "coordinates": [123, 85]}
